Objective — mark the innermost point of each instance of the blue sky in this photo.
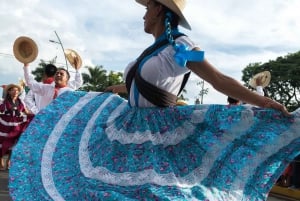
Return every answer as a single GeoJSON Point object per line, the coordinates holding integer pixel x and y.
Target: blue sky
{"type": "Point", "coordinates": [232, 33]}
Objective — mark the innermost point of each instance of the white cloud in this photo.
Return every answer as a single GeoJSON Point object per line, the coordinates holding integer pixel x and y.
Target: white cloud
{"type": "Point", "coordinates": [110, 33]}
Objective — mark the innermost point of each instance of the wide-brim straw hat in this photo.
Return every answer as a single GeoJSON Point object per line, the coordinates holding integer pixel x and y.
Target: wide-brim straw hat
{"type": "Point", "coordinates": [176, 6]}
{"type": "Point", "coordinates": [8, 87]}
{"type": "Point", "coordinates": [181, 102]}
{"type": "Point", "coordinates": [265, 79]}
{"type": "Point", "coordinates": [71, 55]}
{"type": "Point", "coordinates": [25, 49]}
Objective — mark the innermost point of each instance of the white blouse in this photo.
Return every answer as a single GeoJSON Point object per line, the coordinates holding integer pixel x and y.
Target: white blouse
{"type": "Point", "coordinates": [161, 71]}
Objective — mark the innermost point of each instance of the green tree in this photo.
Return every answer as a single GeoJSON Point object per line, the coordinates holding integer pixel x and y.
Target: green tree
{"type": "Point", "coordinates": [285, 83]}
{"type": "Point", "coordinates": [97, 79]}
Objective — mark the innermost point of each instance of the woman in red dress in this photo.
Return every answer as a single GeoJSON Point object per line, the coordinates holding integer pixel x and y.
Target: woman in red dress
{"type": "Point", "coordinates": [14, 118]}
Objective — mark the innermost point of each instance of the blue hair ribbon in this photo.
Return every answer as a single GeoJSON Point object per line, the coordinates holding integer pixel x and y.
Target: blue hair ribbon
{"type": "Point", "coordinates": [182, 55]}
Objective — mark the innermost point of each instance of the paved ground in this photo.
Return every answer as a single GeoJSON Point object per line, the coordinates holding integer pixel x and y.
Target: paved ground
{"type": "Point", "coordinates": [4, 195]}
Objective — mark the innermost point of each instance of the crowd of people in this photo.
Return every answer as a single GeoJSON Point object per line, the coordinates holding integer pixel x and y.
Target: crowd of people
{"type": "Point", "coordinates": [99, 146]}
{"type": "Point", "coordinates": [18, 108]}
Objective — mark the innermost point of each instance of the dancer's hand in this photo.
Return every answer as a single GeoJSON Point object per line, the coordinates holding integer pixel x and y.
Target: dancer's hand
{"type": "Point", "coordinates": [269, 103]}
{"type": "Point", "coordinates": [116, 89]}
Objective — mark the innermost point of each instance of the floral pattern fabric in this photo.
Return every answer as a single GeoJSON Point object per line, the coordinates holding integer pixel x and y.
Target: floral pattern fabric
{"type": "Point", "coordinates": [93, 146]}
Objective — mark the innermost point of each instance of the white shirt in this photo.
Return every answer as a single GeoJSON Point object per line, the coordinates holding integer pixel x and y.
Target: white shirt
{"type": "Point", "coordinates": [45, 91]}
{"type": "Point", "coordinates": [34, 102]}
{"type": "Point", "coordinates": [260, 91]}
{"type": "Point", "coordinates": [161, 71]}
{"type": "Point", "coordinates": [77, 82]}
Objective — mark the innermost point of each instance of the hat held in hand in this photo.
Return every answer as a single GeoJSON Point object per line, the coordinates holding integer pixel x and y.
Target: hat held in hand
{"type": "Point", "coordinates": [25, 49]}
{"type": "Point", "coordinates": [73, 58]}
{"type": "Point", "coordinates": [264, 81]}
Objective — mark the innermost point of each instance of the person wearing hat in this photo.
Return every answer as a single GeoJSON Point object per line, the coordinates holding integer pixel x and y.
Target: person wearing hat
{"type": "Point", "coordinates": [102, 147]}
{"type": "Point", "coordinates": [75, 60]}
{"type": "Point", "coordinates": [164, 69]}
{"type": "Point", "coordinates": [259, 81]}
{"type": "Point", "coordinates": [25, 50]}
{"type": "Point", "coordinates": [14, 118]}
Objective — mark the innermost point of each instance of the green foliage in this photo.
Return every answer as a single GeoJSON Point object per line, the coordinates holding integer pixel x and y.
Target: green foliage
{"type": "Point", "coordinates": [285, 83]}
{"type": "Point", "coordinates": [97, 79]}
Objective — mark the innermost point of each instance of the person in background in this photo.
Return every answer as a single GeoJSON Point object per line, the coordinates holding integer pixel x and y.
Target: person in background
{"type": "Point", "coordinates": [45, 92]}
{"type": "Point", "coordinates": [48, 91]}
{"type": "Point", "coordinates": [35, 102]}
{"type": "Point", "coordinates": [14, 119]}
{"type": "Point", "coordinates": [259, 88]}
{"type": "Point", "coordinates": [232, 101]}
{"type": "Point", "coordinates": [260, 81]}
{"type": "Point", "coordinates": [77, 82]}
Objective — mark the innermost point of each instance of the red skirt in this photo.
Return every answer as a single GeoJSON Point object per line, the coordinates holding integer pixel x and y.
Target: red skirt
{"type": "Point", "coordinates": [11, 127]}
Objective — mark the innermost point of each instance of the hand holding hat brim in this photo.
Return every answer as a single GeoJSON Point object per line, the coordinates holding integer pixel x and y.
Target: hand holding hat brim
{"type": "Point", "coordinates": [73, 58]}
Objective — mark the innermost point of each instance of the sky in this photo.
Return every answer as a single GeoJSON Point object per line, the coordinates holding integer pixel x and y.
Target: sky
{"type": "Point", "coordinates": [233, 34]}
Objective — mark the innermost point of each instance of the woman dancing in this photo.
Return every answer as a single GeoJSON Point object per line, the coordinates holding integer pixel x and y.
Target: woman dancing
{"type": "Point", "coordinates": [98, 146]}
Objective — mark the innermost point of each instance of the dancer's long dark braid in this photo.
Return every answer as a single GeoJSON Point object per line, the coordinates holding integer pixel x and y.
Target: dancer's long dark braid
{"type": "Point", "coordinates": [168, 30]}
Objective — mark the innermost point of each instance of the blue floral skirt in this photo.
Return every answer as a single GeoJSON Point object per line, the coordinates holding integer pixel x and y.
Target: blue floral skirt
{"type": "Point", "coordinates": [93, 146]}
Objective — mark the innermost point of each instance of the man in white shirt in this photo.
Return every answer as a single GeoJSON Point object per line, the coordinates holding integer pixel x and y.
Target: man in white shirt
{"type": "Point", "coordinates": [35, 102]}
{"type": "Point", "coordinates": [48, 91]}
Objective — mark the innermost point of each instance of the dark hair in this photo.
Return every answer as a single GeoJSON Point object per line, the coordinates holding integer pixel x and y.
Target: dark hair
{"type": "Point", "coordinates": [232, 100]}
{"type": "Point", "coordinates": [174, 21]}
{"type": "Point", "coordinates": [50, 70]}
{"type": "Point", "coordinates": [68, 74]}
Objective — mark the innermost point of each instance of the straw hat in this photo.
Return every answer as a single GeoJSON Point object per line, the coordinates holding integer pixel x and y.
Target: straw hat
{"type": "Point", "coordinates": [25, 49]}
{"type": "Point", "coordinates": [8, 87]}
{"type": "Point", "coordinates": [181, 102]}
{"type": "Point", "coordinates": [176, 6]}
{"type": "Point", "coordinates": [71, 55]}
{"type": "Point", "coordinates": [265, 77]}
